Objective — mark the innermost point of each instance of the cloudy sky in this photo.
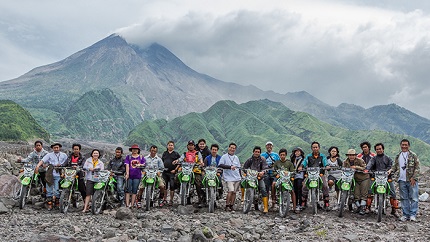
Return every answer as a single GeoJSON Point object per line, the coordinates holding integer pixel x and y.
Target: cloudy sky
{"type": "Point", "coordinates": [353, 51]}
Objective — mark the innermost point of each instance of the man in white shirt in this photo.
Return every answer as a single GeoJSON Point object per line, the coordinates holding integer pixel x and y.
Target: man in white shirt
{"type": "Point", "coordinates": [231, 174]}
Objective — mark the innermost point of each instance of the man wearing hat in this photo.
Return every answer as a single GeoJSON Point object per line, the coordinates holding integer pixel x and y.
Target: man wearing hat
{"type": "Point", "coordinates": [361, 179]}
{"type": "Point", "coordinates": [52, 160]}
{"type": "Point", "coordinates": [271, 158]}
{"type": "Point", "coordinates": [195, 157]}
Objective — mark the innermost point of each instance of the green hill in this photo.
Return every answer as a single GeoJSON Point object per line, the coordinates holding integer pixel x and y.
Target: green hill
{"type": "Point", "coordinates": [16, 123]}
{"type": "Point", "coordinates": [255, 123]}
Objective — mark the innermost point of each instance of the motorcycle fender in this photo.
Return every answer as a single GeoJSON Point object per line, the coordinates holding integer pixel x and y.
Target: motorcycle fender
{"type": "Point", "coordinates": [66, 184]}
{"type": "Point", "coordinates": [313, 184]}
{"type": "Point", "coordinates": [345, 186]}
{"type": "Point", "coordinates": [381, 189]}
{"type": "Point", "coordinates": [185, 178]}
{"type": "Point", "coordinates": [211, 183]}
{"type": "Point", "coordinates": [26, 180]}
{"type": "Point", "coordinates": [99, 185]}
{"type": "Point", "coordinates": [252, 184]}
{"type": "Point", "coordinates": [150, 181]}
{"type": "Point", "coordinates": [287, 186]}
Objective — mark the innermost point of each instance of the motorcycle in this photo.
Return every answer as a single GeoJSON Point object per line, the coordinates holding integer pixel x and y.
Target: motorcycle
{"type": "Point", "coordinates": [284, 186]}
{"type": "Point", "coordinates": [105, 191]}
{"type": "Point", "coordinates": [250, 184]}
{"type": "Point", "coordinates": [314, 183]}
{"type": "Point", "coordinates": [28, 180]}
{"type": "Point", "coordinates": [186, 179]}
{"type": "Point", "coordinates": [346, 185]}
{"type": "Point", "coordinates": [69, 186]}
{"type": "Point", "coordinates": [381, 189]}
{"type": "Point", "coordinates": [150, 182]}
{"type": "Point", "coordinates": [211, 183]}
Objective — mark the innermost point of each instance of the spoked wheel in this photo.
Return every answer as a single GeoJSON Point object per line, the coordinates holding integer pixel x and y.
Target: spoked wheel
{"type": "Point", "coordinates": [65, 200]}
{"type": "Point", "coordinates": [343, 196]}
{"type": "Point", "coordinates": [148, 197]}
{"type": "Point", "coordinates": [248, 199]}
{"type": "Point", "coordinates": [380, 198]}
{"type": "Point", "coordinates": [97, 201]}
{"type": "Point", "coordinates": [211, 197]}
{"type": "Point", "coordinates": [183, 193]}
{"type": "Point", "coordinates": [284, 203]}
{"type": "Point", "coordinates": [314, 200]}
{"type": "Point", "coordinates": [23, 196]}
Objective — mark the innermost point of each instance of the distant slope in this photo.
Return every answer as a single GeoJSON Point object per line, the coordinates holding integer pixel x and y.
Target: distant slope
{"type": "Point", "coordinates": [255, 123]}
{"type": "Point", "coordinates": [16, 123]}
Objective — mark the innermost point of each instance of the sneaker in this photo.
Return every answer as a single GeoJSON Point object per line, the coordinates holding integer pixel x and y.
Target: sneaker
{"type": "Point", "coordinates": [413, 219]}
{"type": "Point", "coordinates": [403, 218]}
{"type": "Point", "coordinates": [139, 205]}
{"type": "Point", "coordinates": [298, 208]}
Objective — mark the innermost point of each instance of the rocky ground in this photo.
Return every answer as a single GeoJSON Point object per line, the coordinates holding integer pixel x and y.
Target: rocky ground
{"type": "Point", "coordinates": [187, 223]}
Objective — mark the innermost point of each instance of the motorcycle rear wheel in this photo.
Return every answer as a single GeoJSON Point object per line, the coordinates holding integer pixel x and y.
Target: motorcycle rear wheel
{"type": "Point", "coordinates": [64, 200]}
{"type": "Point", "coordinates": [97, 202]}
{"type": "Point", "coordinates": [284, 203]}
{"type": "Point", "coordinates": [23, 197]}
{"type": "Point", "coordinates": [248, 199]}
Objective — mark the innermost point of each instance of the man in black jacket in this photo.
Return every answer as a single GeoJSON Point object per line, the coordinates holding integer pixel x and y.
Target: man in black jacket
{"type": "Point", "coordinates": [76, 159]}
{"type": "Point", "coordinates": [117, 166]}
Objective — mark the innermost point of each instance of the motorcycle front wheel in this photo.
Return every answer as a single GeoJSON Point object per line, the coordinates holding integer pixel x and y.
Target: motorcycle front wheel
{"type": "Point", "coordinates": [284, 203]}
{"type": "Point", "coordinates": [248, 199]}
{"type": "Point", "coordinates": [97, 202]}
{"type": "Point", "coordinates": [343, 197]}
{"type": "Point", "coordinates": [314, 200]}
{"type": "Point", "coordinates": [212, 197]}
{"type": "Point", "coordinates": [183, 193]}
{"type": "Point", "coordinates": [64, 200]}
{"type": "Point", "coordinates": [148, 197]}
{"type": "Point", "coordinates": [380, 198]}
{"type": "Point", "coordinates": [23, 197]}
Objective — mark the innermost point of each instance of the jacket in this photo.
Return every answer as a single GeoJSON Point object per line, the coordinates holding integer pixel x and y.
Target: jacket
{"type": "Point", "coordinates": [360, 165]}
{"type": "Point", "coordinates": [412, 167]}
{"type": "Point", "coordinates": [256, 163]}
{"type": "Point", "coordinates": [117, 166]}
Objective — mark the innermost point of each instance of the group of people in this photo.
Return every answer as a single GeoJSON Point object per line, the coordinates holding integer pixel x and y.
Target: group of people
{"type": "Point", "coordinates": [128, 172]}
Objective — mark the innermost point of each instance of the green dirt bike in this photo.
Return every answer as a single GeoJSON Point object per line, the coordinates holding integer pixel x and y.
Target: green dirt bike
{"type": "Point", "coordinates": [381, 189]}
{"type": "Point", "coordinates": [105, 191]}
{"type": "Point", "coordinates": [250, 184]}
{"type": "Point", "coordinates": [150, 182]}
{"type": "Point", "coordinates": [186, 179]}
{"type": "Point", "coordinates": [314, 183]}
{"type": "Point", "coordinates": [346, 185]}
{"type": "Point", "coordinates": [28, 180]}
{"type": "Point", "coordinates": [211, 184]}
{"type": "Point", "coordinates": [69, 186]}
{"type": "Point", "coordinates": [284, 186]}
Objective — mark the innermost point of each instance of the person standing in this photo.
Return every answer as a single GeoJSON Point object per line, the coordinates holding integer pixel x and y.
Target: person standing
{"type": "Point", "coordinates": [407, 168]}
{"type": "Point", "coordinates": [76, 159]}
{"type": "Point", "coordinates": [156, 163]}
{"type": "Point", "coordinates": [334, 173]}
{"type": "Point", "coordinates": [297, 157]}
{"type": "Point", "coordinates": [34, 158]}
{"type": "Point", "coordinates": [213, 160]}
{"type": "Point", "coordinates": [366, 154]}
{"type": "Point", "coordinates": [91, 165]}
{"type": "Point", "coordinates": [231, 174]}
{"type": "Point", "coordinates": [117, 166]}
{"type": "Point", "coordinates": [170, 159]}
{"type": "Point", "coordinates": [271, 157]}
{"type": "Point", "coordinates": [284, 164]}
{"type": "Point", "coordinates": [54, 159]}
{"type": "Point", "coordinates": [133, 173]}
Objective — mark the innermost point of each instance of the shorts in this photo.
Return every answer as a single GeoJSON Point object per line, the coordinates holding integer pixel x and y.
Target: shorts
{"type": "Point", "coordinates": [132, 186]}
{"type": "Point", "coordinates": [160, 179]}
{"type": "Point", "coordinates": [89, 187]}
{"type": "Point", "coordinates": [233, 186]}
{"type": "Point", "coordinates": [170, 179]}
{"type": "Point", "coordinates": [330, 177]}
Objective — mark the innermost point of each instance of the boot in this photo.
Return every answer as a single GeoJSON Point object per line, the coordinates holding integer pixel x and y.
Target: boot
{"type": "Point", "coordinates": [369, 203]}
{"type": "Point", "coordinates": [266, 204]}
{"type": "Point", "coordinates": [394, 206]}
{"type": "Point", "coordinates": [362, 208]}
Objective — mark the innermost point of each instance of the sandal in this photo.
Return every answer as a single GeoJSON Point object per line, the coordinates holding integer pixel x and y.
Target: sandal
{"type": "Point", "coordinates": [164, 202]}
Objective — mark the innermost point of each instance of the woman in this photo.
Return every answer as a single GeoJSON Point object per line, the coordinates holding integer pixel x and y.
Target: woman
{"type": "Point", "coordinates": [335, 162]}
{"type": "Point", "coordinates": [296, 158]}
{"type": "Point", "coordinates": [90, 165]}
{"type": "Point", "coordinates": [133, 173]}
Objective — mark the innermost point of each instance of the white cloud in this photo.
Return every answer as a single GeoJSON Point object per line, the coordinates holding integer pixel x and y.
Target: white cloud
{"type": "Point", "coordinates": [360, 52]}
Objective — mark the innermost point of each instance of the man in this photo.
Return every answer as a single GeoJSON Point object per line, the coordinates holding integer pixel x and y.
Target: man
{"type": "Point", "coordinates": [170, 159]}
{"type": "Point", "coordinates": [195, 157]}
{"type": "Point", "coordinates": [271, 158]}
{"type": "Point", "coordinates": [51, 160]}
{"type": "Point", "coordinates": [213, 160]}
{"type": "Point", "coordinates": [34, 158]}
{"type": "Point", "coordinates": [117, 166]}
{"type": "Point", "coordinates": [315, 159]}
{"type": "Point", "coordinates": [366, 154]}
{"type": "Point", "coordinates": [407, 167]}
{"type": "Point", "coordinates": [382, 162]}
{"type": "Point", "coordinates": [284, 164]}
{"type": "Point", "coordinates": [76, 159]}
{"type": "Point", "coordinates": [155, 162]}
{"type": "Point", "coordinates": [362, 180]}
{"type": "Point", "coordinates": [258, 163]}
{"type": "Point", "coordinates": [231, 174]}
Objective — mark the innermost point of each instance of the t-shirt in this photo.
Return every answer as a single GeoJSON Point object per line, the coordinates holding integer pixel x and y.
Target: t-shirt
{"type": "Point", "coordinates": [168, 158]}
{"type": "Point", "coordinates": [134, 171]}
{"type": "Point", "coordinates": [230, 160]}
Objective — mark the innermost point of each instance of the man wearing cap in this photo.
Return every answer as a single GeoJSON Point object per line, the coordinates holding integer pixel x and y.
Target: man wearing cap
{"type": "Point", "coordinates": [361, 179]}
{"type": "Point", "coordinates": [195, 157]}
{"type": "Point", "coordinates": [52, 160]}
{"type": "Point", "coordinates": [271, 159]}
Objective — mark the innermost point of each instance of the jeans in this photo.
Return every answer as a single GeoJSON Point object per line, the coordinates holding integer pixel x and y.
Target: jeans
{"type": "Point", "coordinates": [133, 185]}
{"type": "Point", "coordinates": [409, 198]}
{"type": "Point", "coordinates": [262, 187]}
{"type": "Point", "coordinates": [120, 187]}
{"type": "Point", "coordinates": [54, 189]}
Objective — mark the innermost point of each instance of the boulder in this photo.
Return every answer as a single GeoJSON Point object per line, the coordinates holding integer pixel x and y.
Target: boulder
{"type": "Point", "coordinates": [8, 185]}
{"type": "Point", "coordinates": [123, 213]}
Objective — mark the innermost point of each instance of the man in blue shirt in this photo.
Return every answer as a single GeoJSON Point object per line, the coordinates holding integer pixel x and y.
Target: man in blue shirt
{"type": "Point", "coordinates": [271, 158]}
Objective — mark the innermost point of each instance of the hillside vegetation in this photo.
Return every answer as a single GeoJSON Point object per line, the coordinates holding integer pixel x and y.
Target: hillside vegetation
{"type": "Point", "coordinates": [16, 123]}
{"type": "Point", "coordinates": [255, 123]}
